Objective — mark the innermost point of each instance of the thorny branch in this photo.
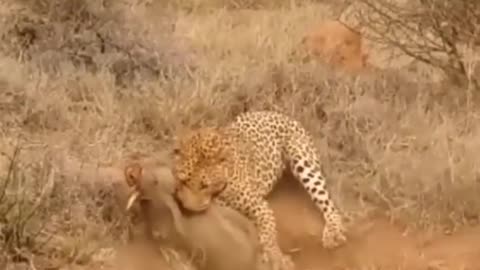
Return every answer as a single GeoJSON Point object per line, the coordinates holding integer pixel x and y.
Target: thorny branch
{"type": "Point", "coordinates": [438, 33]}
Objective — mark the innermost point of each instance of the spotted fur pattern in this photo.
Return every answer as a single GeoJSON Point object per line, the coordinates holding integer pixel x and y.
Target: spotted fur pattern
{"type": "Point", "coordinates": [239, 165]}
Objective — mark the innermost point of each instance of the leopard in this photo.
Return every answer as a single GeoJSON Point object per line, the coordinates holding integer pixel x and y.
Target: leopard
{"type": "Point", "coordinates": [239, 164]}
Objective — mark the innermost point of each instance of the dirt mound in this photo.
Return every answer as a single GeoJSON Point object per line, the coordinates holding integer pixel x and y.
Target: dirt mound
{"type": "Point", "coordinates": [374, 243]}
{"type": "Point", "coordinates": [338, 45]}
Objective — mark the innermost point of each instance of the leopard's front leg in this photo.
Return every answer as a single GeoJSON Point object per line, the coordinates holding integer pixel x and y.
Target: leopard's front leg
{"type": "Point", "coordinates": [256, 208]}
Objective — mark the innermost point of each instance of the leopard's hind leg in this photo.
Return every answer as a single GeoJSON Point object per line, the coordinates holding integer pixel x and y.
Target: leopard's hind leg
{"type": "Point", "coordinates": [305, 166]}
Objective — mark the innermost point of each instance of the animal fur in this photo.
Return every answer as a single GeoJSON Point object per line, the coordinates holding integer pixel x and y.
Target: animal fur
{"type": "Point", "coordinates": [218, 239]}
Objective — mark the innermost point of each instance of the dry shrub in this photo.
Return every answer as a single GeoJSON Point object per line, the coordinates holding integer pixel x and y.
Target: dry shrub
{"type": "Point", "coordinates": [442, 34]}
{"type": "Point", "coordinates": [208, 238]}
{"type": "Point", "coordinates": [90, 35]}
{"type": "Point", "coordinates": [200, 6]}
{"type": "Point", "coordinates": [48, 222]}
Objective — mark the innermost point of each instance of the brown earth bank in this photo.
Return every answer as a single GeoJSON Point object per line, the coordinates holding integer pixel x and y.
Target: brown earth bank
{"type": "Point", "coordinates": [374, 242]}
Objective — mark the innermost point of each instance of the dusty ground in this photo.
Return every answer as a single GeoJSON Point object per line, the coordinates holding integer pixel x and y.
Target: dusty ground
{"type": "Point", "coordinates": [375, 242]}
{"type": "Point", "coordinates": [84, 83]}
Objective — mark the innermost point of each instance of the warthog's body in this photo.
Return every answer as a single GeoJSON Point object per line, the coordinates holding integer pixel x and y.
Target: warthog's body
{"type": "Point", "coordinates": [218, 239]}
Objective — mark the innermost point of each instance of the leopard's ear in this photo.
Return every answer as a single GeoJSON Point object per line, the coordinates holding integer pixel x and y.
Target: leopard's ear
{"type": "Point", "coordinates": [133, 174]}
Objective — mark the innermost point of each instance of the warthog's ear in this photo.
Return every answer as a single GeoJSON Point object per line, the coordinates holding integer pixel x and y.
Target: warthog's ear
{"type": "Point", "coordinates": [133, 174]}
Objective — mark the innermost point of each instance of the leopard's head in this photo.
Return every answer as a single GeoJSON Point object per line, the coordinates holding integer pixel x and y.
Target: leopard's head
{"type": "Point", "coordinates": [196, 159]}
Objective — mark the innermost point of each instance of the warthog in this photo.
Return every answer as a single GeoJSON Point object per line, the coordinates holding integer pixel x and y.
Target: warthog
{"type": "Point", "coordinates": [218, 239]}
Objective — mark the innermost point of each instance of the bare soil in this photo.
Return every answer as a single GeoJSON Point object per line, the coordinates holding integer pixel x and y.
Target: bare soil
{"type": "Point", "coordinates": [374, 242]}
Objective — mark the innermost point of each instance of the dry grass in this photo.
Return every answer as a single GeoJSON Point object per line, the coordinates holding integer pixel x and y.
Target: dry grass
{"type": "Point", "coordinates": [117, 78]}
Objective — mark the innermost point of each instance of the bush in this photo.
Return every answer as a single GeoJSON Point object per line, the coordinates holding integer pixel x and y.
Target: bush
{"type": "Point", "coordinates": [92, 35]}
{"type": "Point", "coordinates": [442, 34]}
{"type": "Point", "coordinates": [45, 221]}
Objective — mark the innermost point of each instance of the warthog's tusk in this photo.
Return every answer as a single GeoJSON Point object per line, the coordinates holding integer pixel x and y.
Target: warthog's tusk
{"type": "Point", "coordinates": [133, 197]}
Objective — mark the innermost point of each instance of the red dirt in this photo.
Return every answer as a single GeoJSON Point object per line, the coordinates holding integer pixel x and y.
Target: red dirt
{"type": "Point", "coordinates": [373, 244]}
{"type": "Point", "coordinates": [338, 45]}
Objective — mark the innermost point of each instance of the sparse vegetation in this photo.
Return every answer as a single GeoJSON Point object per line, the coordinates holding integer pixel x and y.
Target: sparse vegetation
{"type": "Point", "coordinates": [91, 81]}
{"type": "Point", "coordinates": [442, 34]}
